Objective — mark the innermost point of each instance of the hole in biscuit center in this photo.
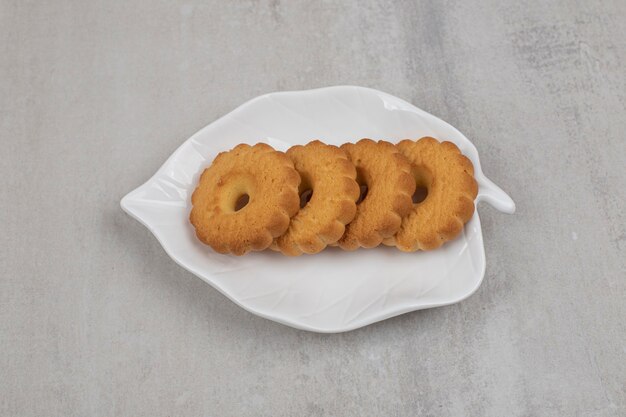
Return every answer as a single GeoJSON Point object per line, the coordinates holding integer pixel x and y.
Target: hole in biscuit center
{"type": "Point", "coordinates": [242, 201]}
{"type": "Point", "coordinates": [423, 181]}
{"type": "Point", "coordinates": [363, 193]}
{"type": "Point", "coordinates": [305, 197]}
{"type": "Point", "coordinates": [420, 194]}
{"type": "Point", "coordinates": [363, 188]}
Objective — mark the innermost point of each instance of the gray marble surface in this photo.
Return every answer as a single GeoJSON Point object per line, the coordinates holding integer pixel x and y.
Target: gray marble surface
{"type": "Point", "coordinates": [96, 320]}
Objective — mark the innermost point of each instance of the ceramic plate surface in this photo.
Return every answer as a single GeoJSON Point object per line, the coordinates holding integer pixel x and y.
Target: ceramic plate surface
{"type": "Point", "coordinates": [332, 291]}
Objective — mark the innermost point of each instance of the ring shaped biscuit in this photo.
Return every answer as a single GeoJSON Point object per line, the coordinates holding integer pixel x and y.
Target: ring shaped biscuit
{"type": "Point", "coordinates": [385, 175]}
{"type": "Point", "coordinates": [445, 180]}
{"type": "Point", "coordinates": [328, 180]}
{"type": "Point", "coordinates": [245, 199]}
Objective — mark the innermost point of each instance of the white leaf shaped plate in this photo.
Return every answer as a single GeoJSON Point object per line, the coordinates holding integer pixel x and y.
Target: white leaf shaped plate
{"type": "Point", "coordinates": [333, 291]}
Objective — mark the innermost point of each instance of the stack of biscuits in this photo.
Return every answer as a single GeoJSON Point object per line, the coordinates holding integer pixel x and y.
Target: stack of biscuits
{"type": "Point", "coordinates": [415, 195]}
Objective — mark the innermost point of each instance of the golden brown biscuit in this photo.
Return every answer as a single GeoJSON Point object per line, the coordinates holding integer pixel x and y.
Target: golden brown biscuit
{"type": "Point", "coordinates": [445, 180]}
{"type": "Point", "coordinates": [328, 191]}
{"type": "Point", "coordinates": [385, 174]}
{"type": "Point", "coordinates": [245, 199]}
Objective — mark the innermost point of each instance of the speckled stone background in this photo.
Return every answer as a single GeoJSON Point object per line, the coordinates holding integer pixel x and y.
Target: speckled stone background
{"type": "Point", "coordinates": [96, 320]}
